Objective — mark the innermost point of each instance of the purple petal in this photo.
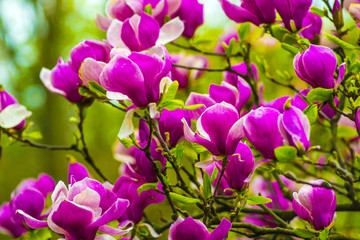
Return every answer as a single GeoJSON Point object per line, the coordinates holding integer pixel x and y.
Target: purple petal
{"type": "Point", "coordinates": [188, 229]}
{"type": "Point", "coordinates": [215, 123]}
{"type": "Point", "coordinates": [113, 213]}
{"type": "Point", "coordinates": [31, 221]}
{"type": "Point", "coordinates": [221, 231]}
{"type": "Point", "coordinates": [222, 94]}
{"type": "Point", "coordinates": [77, 172]}
{"type": "Point", "coordinates": [196, 98]}
{"type": "Point", "coordinates": [129, 33]}
{"type": "Point", "coordinates": [238, 14]}
{"type": "Point", "coordinates": [8, 226]}
{"type": "Point", "coordinates": [149, 31]}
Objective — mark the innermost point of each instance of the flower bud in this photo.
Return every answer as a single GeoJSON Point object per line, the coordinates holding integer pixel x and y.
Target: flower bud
{"type": "Point", "coordinates": [239, 167]}
{"type": "Point", "coordinates": [7, 100]}
{"type": "Point", "coordinates": [218, 129]}
{"type": "Point", "coordinates": [316, 66]}
{"type": "Point", "coordinates": [62, 80]}
{"type": "Point", "coordinates": [316, 205]}
{"type": "Point", "coordinates": [312, 24]}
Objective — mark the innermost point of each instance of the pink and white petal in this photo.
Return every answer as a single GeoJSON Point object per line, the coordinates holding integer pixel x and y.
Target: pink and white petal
{"type": "Point", "coordinates": [171, 31]}
{"type": "Point", "coordinates": [60, 188]}
{"type": "Point", "coordinates": [136, 5]}
{"type": "Point", "coordinates": [32, 222]}
{"type": "Point", "coordinates": [173, 6]}
{"type": "Point", "coordinates": [341, 74]}
{"type": "Point", "coordinates": [151, 230]}
{"type": "Point", "coordinates": [113, 213]}
{"type": "Point", "coordinates": [304, 121]}
{"type": "Point", "coordinates": [127, 126]}
{"type": "Point", "coordinates": [90, 70]}
{"type": "Point", "coordinates": [118, 51]}
{"type": "Point", "coordinates": [104, 237]}
{"type": "Point", "coordinates": [108, 7]}
{"type": "Point", "coordinates": [159, 8]}
{"type": "Point", "coordinates": [116, 96]}
{"type": "Point", "coordinates": [89, 198]}
{"type": "Point", "coordinates": [13, 115]}
{"type": "Point", "coordinates": [113, 231]}
{"type": "Point", "coordinates": [45, 76]}
{"type": "Point", "coordinates": [102, 22]}
{"type": "Point", "coordinates": [235, 134]}
{"type": "Point", "coordinates": [114, 34]}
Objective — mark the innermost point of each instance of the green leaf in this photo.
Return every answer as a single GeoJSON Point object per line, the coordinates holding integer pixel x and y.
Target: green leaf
{"type": "Point", "coordinates": [317, 11]}
{"type": "Point", "coordinates": [357, 102]}
{"type": "Point", "coordinates": [146, 187]}
{"type": "Point", "coordinates": [194, 107]}
{"type": "Point", "coordinates": [85, 92]}
{"type": "Point", "coordinates": [311, 113]}
{"type": "Point", "coordinates": [98, 91]}
{"type": "Point", "coordinates": [339, 42]}
{"type": "Point", "coordinates": [207, 185]}
{"type": "Point", "coordinates": [320, 95]}
{"type": "Point", "coordinates": [198, 148]}
{"type": "Point", "coordinates": [285, 153]}
{"type": "Point", "coordinates": [255, 200]}
{"type": "Point", "coordinates": [244, 30]}
{"type": "Point", "coordinates": [291, 49]}
{"type": "Point", "coordinates": [324, 234]}
{"type": "Point", "coordinates": [283, 35]}
{"type": "Point", "coordinates": [171, 92]}
{"type": "Point", "coordinates": [304, 41]}
{"type": "Point", "coordinates": [184, 200]}
{"type": "Point", "coordinates": [173, 104]}
{"type": "Point", "coordinates": [230, 48]}
{"type": "Point", "coordinates": [304, 233]}
{"type": "Point", "coordinates": [126, 142]}
{"type": "Point", "coordinates": [178, 152]}
{"type": "Point", "coordinates": [148, 9]}
{"type": "Point", "coordinates": [214, 174]}
{"type": "Point", "coordinates": [346, 132]}
{"type": "Point", "coordinates": [38, 234]}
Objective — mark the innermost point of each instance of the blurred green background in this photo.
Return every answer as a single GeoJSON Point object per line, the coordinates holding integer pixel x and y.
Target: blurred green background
{"type": "Point", "coordinates": [35, 33]}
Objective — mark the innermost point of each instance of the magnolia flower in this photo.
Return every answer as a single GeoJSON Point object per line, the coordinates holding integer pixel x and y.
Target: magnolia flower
{"type": "Point", "coordinates": [316, 66]}
{"type": "Point", "coordinates": [257, 12]}
{"type": "Point", "coordinates": [127, 188]}
{"type": "Point", "coordinates": [135, 77]}
{"type": "Point", "coordinates": [191, 12]}
{"type": "Point", "coordinates": [316, 205]}
{"type": "Point", "coordinates": [312, 24]}
{"type": "Point", "coordinates": [189, 228]}
{"type": "Point", "coordinates": [26, 206]}
{"type": "Point", "coordinates": [62, 80]}
{"type": "Point", "coordinates": [217, 129]}
{"type": "Point", "coordinates": [142, 32]}
{"type": "Point", "coordinates": [12, 114]}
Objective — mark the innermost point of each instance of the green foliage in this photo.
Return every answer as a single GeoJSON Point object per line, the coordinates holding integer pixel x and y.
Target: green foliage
{"type": "Point", "coordinates": [285, 153]}
{"type": "Point", "coordinates": [311, 113]}
{"type": "Point", "coordinates": [147, 186]}
{"type": "Point", "coordinates": [207, 185]}
{"type": "Point", "coordinates": [184, 200]}
{"type": "Point", "coordinates": [304, 233]}
{"type": "Point", "coordinates": [320, 95]}
{"type": "Point", "coordinates": [256, 200]}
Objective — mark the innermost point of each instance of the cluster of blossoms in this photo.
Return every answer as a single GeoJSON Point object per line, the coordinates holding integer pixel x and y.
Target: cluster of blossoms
{"type": "Point", "coordinates": [241, 133]}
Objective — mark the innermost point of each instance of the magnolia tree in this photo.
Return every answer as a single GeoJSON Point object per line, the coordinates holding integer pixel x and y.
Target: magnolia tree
{"type": "Point", "coordinates": [226, 164]}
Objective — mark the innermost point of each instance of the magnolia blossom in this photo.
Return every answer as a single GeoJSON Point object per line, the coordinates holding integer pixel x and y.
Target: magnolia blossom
{"type": "Point", "coordinates": [135, 77]}
{"type": "Point", "coordinates": [62, 80]}
{"type": "Point", "coordinates": [226, 38]}
{"type": "Point", "coordinates": [12, 114]}
{"type": "Point", "coordinates": [127, 188]}
{"type": "Point", "coordinates": [83, 208]}
{"type": "Point", "coordinates": [257, 12]}
{"type": "Point", "coordinates": [354, 11]}
{"type": "Point", "coordinates": [141, 32]}
{"type": "Point", "coordinates": [217, 129]}
{"type": "Point", "coordinates": [193, 229]}
{"type": "Point", "coordinates": [26, 206]}
{"type": "Point", "coordinates": [293, 11]}
{"type": "Point", "coordinates": [316, 205]}
{"type": "Point", "coordinates": [312, 24]}
{"type": "Point", "coordinates": [316, 66]}
{"type": "Point", "coordinates": [124, 9]}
